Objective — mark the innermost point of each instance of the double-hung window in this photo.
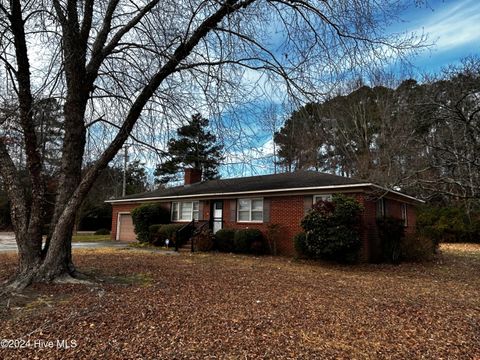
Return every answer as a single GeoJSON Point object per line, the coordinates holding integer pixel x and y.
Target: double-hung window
{"type": "Point", "coordinates": [381, 208]}
{"type": "Point", "coordinates": [185, 210]}
{"type": "Point", "coordinates": [323, 197]}
{"type": "Point", "coordinates": [250, 210]}
{"type": "Point", "coordinates": [404, 214]}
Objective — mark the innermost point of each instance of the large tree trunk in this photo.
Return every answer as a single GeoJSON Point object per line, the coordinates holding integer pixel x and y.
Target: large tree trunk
{"type": "Point", "coordinates": [56, 259]}
{"type": "Point", "coordinates": [79, 87]}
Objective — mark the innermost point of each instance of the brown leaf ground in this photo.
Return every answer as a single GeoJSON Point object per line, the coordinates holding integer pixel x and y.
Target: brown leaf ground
{"type": "Point", "coordinates": [152, 306]}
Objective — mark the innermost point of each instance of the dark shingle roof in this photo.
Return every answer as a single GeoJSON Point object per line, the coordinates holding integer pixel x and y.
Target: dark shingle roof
{"type": "Point", "coordinates": [300, 179]}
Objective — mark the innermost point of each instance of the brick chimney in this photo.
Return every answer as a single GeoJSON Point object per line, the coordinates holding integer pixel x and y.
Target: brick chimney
{"type": "Point", "coordinates": [192, 176]}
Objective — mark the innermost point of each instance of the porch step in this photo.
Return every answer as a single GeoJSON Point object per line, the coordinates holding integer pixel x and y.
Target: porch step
{"type": "Point", "coordinates": [186, 246]}
{"type": "Point", "coordinates": [184, 249]}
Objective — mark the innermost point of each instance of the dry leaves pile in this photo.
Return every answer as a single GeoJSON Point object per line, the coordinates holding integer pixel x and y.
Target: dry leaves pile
{"type": "Point", "coordinates": [152, 305]}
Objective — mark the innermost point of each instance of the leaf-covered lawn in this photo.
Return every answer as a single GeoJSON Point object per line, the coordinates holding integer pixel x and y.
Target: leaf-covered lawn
{"type": "Point", "coordinates": [152, 305]}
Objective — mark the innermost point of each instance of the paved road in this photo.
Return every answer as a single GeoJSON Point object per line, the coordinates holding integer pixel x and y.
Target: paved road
{"type": "Point", "coordinates": [7, 243]}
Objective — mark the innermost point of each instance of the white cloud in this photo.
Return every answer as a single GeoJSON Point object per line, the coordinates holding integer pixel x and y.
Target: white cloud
{"type": "Point", "coordinates": [454, 26]}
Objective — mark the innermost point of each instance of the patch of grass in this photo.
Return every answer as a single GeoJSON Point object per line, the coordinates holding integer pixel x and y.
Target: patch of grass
{"type": "Point", "coordinates": [90, 238]}
{"type": "Point", "coordinates": [141, 279]}
{"type": "Point", "coordinates": [235, 306]}
{"type": "Point", "coordinates": [147, 246]}
{"type": "Point", "coordinates": [142, 245]}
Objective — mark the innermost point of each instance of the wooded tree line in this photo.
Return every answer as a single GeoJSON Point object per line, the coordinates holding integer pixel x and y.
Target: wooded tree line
{"type": "Point", "coordinates": [420, 137]}
{"type": "Point", "coordinates": [94, 213]}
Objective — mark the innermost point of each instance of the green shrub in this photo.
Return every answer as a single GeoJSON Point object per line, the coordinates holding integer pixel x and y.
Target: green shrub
{"type": "Point", "coordinates": [224, 240]}
{"type": "Point", "coordinates": [417, 248]}
{"type": "Point", "coordinates": [167, 231]}
{"type": "Point", "coordinates": [102, 232]}
{"type": "Point", "coordinates": [146, 215]}
{"type": "Point", "coordinates": [203, 240]}
{"type": "Point", "coordinates": [153, 233]}
{"type": "Point", "coordinates": [333, 229]}
{"type": "Point", "coordinates": [448, 224]}
{"type": "Point", "coordinates": [248, 241]}
{"type": "Point", "coordinates": [300, 243]}
{"type": "Point", "coordinates": [391, 232]}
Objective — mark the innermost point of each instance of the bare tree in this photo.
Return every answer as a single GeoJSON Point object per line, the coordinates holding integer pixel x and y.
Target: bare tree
{"type": "Point", "coordinates": [115, 65]}
{"type": "Point", "coordinates": [448, 120]}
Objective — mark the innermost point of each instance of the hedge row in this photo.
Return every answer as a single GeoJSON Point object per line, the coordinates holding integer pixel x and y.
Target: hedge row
{"type": "Point", "coordinates": [245, 241]}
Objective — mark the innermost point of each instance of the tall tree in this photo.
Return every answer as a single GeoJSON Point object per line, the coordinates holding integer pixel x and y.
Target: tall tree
{"type": "Point", "coordinates": [136, 178]}
{"type": "Point", "coordinates": [108, 61]}
{"type": "Point", "coordinates": [423, 138]}
{"type": "Point", "coordinates": [449, 124]}
{"type": "Point", "coordinates": [195, 147]}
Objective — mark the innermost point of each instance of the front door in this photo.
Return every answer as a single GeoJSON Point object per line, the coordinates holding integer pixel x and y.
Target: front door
{"type": "Point", "coordinates": [217, 215]}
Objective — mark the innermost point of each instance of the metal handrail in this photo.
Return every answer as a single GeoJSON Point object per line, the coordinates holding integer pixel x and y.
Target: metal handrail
{"type": "Point", "coordinates": [179, 231]}
{"type": "Point", "coordinates": [198, 230]}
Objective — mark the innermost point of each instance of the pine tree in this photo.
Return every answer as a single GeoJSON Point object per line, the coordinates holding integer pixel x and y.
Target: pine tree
{"type": "Point", "coordinates": [195, 147]}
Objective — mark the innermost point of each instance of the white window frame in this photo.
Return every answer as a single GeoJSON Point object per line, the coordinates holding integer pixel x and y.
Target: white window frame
{"type": "Point", "coordinates": [405, 214]}
{"type": "Point", "coordinates": [381, 203]}
{"type": "Point", "coordinates": [194, 213]}
{"type": "Point", "coordinates": [250, 210]}
{"type": "Point", "coordinates": [323, 197]}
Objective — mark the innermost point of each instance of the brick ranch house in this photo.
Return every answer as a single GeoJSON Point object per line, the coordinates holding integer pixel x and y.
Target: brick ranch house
{"type": "Point", "coordinates": [258, 201]}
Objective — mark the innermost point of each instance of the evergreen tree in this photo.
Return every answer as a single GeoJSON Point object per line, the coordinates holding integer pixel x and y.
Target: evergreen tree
{"type": "Point", "coordinates": [195, 147]}
{"type": "Point", "coordinates": [137, 181]}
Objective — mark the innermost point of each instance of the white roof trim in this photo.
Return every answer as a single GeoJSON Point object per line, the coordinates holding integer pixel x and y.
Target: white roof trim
{"type": "Point", "coordinates": [396, 193]}
{"type": "Point", "coordinates": [327, 187]}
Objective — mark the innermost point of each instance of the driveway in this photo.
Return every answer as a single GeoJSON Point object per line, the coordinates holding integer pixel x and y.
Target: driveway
{"type": "Point", "coordinates": [7, 243]}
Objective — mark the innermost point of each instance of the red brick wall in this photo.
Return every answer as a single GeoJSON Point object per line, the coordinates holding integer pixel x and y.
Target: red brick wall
{"type": "Point", "coordinates": [287, 211]}
{"type": "Point", "coordinates": [394, 209]}
{"type": "Point", "coordinates": [371, 241]}
{"type": "Point", "coordinates": [369, 227]}
{"type": "Point", "coordinates": [206, 209]}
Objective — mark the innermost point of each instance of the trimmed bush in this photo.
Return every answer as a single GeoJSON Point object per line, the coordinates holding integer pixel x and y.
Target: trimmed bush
{"type": "Point", "coordinates": [167, 231]}
{"type": "Point", "coordinates": [333, 229]}
{"type": "Point", "coordinates": [153, 233]}
{"type": "Point", "coordinates": [102, 232]}
{"type": "Point", "coordinates": [204, 240]}
{"type": "Point", "coordinates": [224, 240]}
{"type": "Point", "coordinates": [300, 243]}
{"type": "Point", "coordinates": [417, 248]}
{"type": "Point", "coordinates": [391, 231]}
{"type": "Point", "coordinates": [146, 215]}
{"type": "Point", "coordinates": [248, 240]}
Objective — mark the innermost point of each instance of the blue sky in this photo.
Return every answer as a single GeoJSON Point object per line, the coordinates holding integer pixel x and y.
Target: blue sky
{"type": "Point", "coordinates": [453, 29]}
{"type": "Point", "coordinates": [453, 26]}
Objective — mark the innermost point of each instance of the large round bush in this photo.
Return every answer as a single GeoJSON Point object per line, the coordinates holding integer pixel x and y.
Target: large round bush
{"type": "Point", "coordinates": [224, 240]}
{"type": "Point", "coordinates": [248, 241]}
{"type": "Point", "coordinates": [332, 229]}
{"type": "Point", "coordinates": [146, 215]}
